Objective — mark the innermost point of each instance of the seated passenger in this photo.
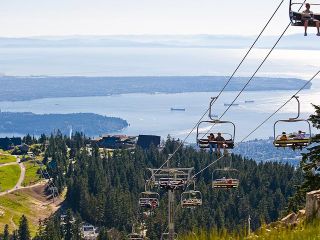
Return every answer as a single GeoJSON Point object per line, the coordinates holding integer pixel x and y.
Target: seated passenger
{"type": "Point", "coordinates": [211, 144]}
{"type": "Point", "coordinates": [283, 137]}
{"type": "Point", "coordinates": [221, 142]}
{"type": "Point", "coordinates": [307, 16]}
{"type": "Point", "coordinates": [300, 135]}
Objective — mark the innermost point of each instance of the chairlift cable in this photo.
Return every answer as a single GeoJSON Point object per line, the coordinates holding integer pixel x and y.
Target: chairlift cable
{"type": "Point", "coordinates": [256, 71]}
{"type": "Point", "coordinates": [314, 76]}
{"type": "Point", "coordinates": [307, 83]}
{"type": "Point", "coordinates": [247, 53]}
{"type": "Point", "coordinates": [224, 87]}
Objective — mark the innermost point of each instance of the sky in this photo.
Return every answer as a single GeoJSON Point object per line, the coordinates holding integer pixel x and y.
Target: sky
{"type": "Point", "coordinates": [21, 18]}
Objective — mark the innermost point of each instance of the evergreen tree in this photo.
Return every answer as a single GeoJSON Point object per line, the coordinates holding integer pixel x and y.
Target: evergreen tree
{"type": "Point", "coordinates": [104, 190]}
{"type": "Point", "coordinates": [6, 234]}
{"type": "Point", "coordinates": [310, 161]}
{"type": "Point", "coordinates": [23, 232]}
{"type": "Point", "coordinates": [15, 235]}
{"type": "Point", "coordinates": [42, 139]}
{"type": "Point", "coordinates": [53, 229]}
{"type": "Point", "coordinates": [41, 231]}
{"type": "Point", "coordinates": [103, 234]}
{"type": "Point", "coordinates": [68, 225]}
{"type": "Point", "coordinates": [76, 230]}
{"type": "Point", "coordinates": [27, 139]}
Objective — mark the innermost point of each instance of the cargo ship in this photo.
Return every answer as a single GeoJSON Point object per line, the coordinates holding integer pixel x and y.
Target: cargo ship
{"type": "Point", "coordinates": [178, 109]}
{"type": "Point", "coordinates": [231, 104]}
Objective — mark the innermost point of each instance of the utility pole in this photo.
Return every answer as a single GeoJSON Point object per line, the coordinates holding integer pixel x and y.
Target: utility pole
{"type": "Point", "coordinates": [249, 225]}
{"type": "Point", "coordinates": [171, 179]}
{"type": "Point", "coordinates": [54, 190]}
{"type": "Point", "coordinates": [170, 209]}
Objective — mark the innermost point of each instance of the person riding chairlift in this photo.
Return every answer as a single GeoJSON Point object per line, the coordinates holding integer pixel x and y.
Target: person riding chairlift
{"type": "Point", "coordinates": [283, 137]}
{"type": "Point", "coordinates": [221, 143]}
{"type": "Point", "coordinates": [307, 16]}
{"type": "Point", "coordinates": [300, 135]}
{"type": "Point", "coordinates": [211, 144]}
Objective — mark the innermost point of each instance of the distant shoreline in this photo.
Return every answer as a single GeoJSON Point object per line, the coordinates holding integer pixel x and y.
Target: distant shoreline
{"type": "Point", "coordinates": [35, 124]}
{"type": "Point", "coordinates": [16, 88]}
{"type": "Point", "coordinates": [292, 41]}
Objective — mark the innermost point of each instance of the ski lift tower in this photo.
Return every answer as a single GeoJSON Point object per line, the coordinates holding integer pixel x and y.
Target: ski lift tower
{"type": "Point", "coordinates": [171, 180]}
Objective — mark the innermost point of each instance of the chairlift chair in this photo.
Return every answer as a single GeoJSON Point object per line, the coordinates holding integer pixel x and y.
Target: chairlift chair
{"type": "Point", "coordinates": [290, 140]}
{"type": "Point", "coordinates": [204, 142]}
{"type": "Point", "coordinates": [135, 236]}
{"type": "Point", "coordinates": [225, 182]}
{"type": "Point", "coordinates": [149, 200]}
{"type": "Point", "coordinates": [297, 19]}
{"type": "Point", "coordinates": [170, 178]}
{"type": "Point", "coordinates": [165, 236]}
{"type": "Point", "coordinates": [191, 199]}
{"type": "Point", "coordinates": [172, 183]}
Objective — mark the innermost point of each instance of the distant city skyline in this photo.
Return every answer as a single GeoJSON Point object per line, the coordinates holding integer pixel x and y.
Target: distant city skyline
{"type": "Point", "coordinates": [121, 17]}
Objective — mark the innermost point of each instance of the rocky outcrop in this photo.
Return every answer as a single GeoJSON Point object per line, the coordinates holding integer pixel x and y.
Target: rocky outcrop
{"type": "Point", "coordinates": [313, 205]}
{"type": "Point", "coordinates": [289, 219]}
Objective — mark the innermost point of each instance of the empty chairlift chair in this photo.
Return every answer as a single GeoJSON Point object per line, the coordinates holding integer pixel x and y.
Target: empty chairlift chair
{"type": "Point", "coordinates": [191, 199]}
{"type": "Point", "coordinates": [172, 183]}
{"type": "Point", "coordinates": [227, 181]}
{"type": "Point", "coordinates": [292, 140]}
{"type": "Point", "coordinates": [135, 236]}
{"type": "Point", "coordinates": [170, 179]}
{"type": "Point", "coordinates": [165, 236]}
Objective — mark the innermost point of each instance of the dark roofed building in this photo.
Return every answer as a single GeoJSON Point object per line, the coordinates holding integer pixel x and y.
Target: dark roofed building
{"type": "Point", "coordinates": [145, 141]}
{"type": "Point", "coordinates": [117, 142]}
{"type": "Point", "coordinates": [7, 143]}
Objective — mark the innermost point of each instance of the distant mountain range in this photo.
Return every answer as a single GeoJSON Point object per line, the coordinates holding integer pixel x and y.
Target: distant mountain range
{"type": "Point", "coordinates": [27, 88]}
{"type": "Point", "coordinates": [296, 41]}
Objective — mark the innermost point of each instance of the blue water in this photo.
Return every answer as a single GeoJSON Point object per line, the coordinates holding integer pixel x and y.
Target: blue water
{"type": "Point", "coordinates": [150, 113]}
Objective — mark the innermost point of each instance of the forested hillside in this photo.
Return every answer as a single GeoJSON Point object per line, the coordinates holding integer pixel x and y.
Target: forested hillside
{"type": "Point", "coordinates": [105, 191]}
{"type": "Point", "coordinates": [36, 124]}
{"type": "Point", "coordinates": [54, 87]}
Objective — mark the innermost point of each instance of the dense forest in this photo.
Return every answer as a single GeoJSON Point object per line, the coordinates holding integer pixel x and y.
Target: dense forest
{"type": "Point", "coordinates": [105, 190]}
{"type": "Point", "coordinates": [54, 87]}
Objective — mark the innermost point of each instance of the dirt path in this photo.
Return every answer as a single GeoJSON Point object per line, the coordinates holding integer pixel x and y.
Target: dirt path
{"type": "Point", "coordinates": [8, 164]}
{"type": "Point", "coordinates": [13, 224]}
{"type": "Point", "coordinates": [22, 174]}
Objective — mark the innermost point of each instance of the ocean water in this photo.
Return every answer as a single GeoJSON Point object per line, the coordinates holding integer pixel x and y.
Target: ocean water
{"type": "Point", "coordinates": [150, 113]}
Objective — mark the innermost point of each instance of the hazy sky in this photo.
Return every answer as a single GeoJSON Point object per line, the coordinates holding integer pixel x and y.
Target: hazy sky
{"type": "Point", "coordinates": [106, 17]}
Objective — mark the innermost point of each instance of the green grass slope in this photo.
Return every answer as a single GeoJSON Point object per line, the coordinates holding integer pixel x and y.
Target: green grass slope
{"type": "Point", "coordinates": [31, 176]}
{"type": "Point", "coordinates": [7, 159]}
{"type": "Point", "coordinates": [302, 231]}
{"type": "Point", "coordinates": [32, 202]}
{"type": "Point", "coordinates": [9, 176]}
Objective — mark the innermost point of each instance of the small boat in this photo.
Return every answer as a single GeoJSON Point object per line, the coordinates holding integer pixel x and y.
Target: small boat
{"type": "Point", "coordinates": [249, 101]}
{"type": "Point", "coordinates": [231, 104]}
{"type": "Point", "coordinates": [178, 109]}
